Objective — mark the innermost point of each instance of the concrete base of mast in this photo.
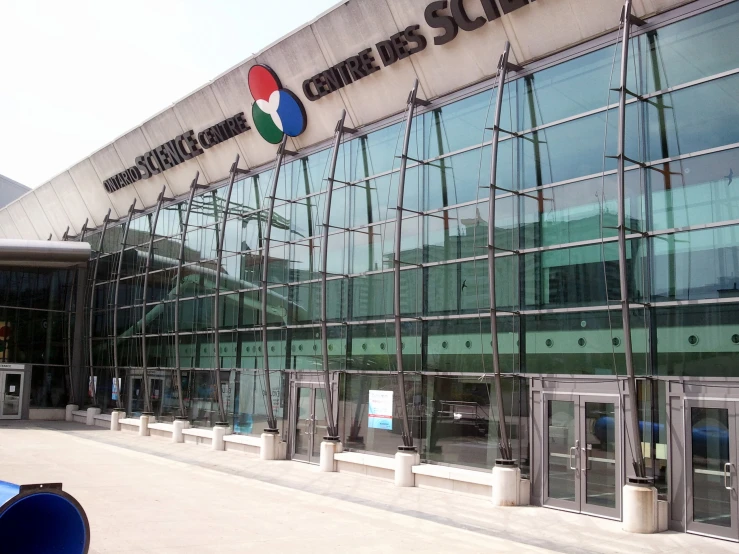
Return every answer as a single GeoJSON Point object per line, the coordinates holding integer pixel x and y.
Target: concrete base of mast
{"type": "Point", "coordinates": [643, 512]}
{"type": "Point", "coordinates": [405, 459]}
{"type": "Point", "coordinates": [270, 447]}
{"type": "Point", "coordinates": [508, 487]}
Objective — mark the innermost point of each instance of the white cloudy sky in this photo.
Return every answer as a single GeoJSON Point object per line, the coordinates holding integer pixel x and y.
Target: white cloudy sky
{"type": "Point", "coordinates": [75, 74]}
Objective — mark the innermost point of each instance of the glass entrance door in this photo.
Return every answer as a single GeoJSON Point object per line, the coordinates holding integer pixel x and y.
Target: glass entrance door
{"type": "Point", "coordinates": [310, 424]}
{"type": "Point", "coordinates": [711, 462]}
{"type": "Point", "coordinates": [11, 386]}
{"type": "Point", "coordinates": [582, 452]}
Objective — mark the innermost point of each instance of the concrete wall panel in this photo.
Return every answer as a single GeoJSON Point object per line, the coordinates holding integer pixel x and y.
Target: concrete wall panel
{"type": "Point", "coordinates": [295, 60]}
{"type": "Point", "coordinates": [22, 221]}
{"type": "Point", "coordinates": [53, 208]}
{"type": "Point", "coordinates": [76, 208]}
{"type": "Point", "coordinates": [129, 147]}
{"type": "Point", "coordinates": [38, 217]}
{"type": "Point", "coordinates": [232, 94]}
{"type": "Point", "coordinates": [10, 230]}
{"type": "Point", "coordinates": [107, 163]}
{"type": "Point", "coordinates": [94, 195]}
{"type": "Point", "coordinates": [343, 33]}
{"type": "Point", "coordinates": [543, 27]}
{"type": "Point", "coordinates": [657, 6]}
{"type": "Point", "coordinates": [163, 128]}
{"type": "Point", "coordinates": [200, 111]}
{"type": "Point", "coordinates": [472, 56]}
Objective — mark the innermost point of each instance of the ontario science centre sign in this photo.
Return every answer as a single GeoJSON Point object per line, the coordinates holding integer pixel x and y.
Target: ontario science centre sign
{"type": "Point", "coordinates": [277, 111]}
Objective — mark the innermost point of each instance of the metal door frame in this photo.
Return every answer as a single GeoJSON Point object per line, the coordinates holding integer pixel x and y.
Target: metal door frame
{"type": "Point", "coordinates": [312, 382]}
{"type": "Point", "coordinates": [138, 374]}
{"type": "Point", "coordinates": [579, 505]}
{"type": "Point", "coordinates": [3, 376]}
{"type": "Point", "coordinates": [706, 529]}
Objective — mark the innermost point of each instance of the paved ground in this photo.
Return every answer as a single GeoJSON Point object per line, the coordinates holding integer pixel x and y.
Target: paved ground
{"type": "Point", "coordinates": [147, 495]}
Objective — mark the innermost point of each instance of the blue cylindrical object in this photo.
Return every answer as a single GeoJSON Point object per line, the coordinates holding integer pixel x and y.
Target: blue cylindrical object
{"type": "Point", "coordinates": [41, 519]}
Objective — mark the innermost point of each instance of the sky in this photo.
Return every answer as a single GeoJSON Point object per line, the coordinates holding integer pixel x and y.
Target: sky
{"type": "Point", "coordinates": [77, 74]}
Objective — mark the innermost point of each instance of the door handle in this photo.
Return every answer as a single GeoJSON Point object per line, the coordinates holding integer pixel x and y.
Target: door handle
{"type": "Point", "coordinates": [730, 486]}
{"type": "Point", "coordinates": [577, 445]}
{"type": "Point", "coordinates": [307, 426]}
{"type": "Point", "coordinates": [586, 449]}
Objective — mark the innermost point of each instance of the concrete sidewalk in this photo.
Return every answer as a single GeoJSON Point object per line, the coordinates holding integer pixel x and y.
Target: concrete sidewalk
{"type": "Point", "coordinates": [145, 494]}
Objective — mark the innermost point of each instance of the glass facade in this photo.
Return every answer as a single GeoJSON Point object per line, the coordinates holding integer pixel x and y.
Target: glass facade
{"type": "Point", "coordinates": [35, 324]}
{"type": "Point", "coordinates": [557, 268]}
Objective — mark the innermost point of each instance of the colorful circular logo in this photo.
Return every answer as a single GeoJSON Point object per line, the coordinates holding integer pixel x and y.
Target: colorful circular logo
{"type": "Point", "coordinates": [276, 111]}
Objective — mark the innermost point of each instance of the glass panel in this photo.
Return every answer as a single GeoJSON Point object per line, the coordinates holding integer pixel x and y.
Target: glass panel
{"type": "Point", "coordinates": [600, 454]}
{"type": "Point", "coordinates": [587, 343]}
{"type": "Point", "coordinates": [303, 423]}
{"type": "Point", "coordinates": [699, 117]}
{"type": "Point", "coordinates": [359, 435]}
{"type": "Point", "coordinates": [375, 153]}
{"type": "Point", "coordinates": [697, 264]}
{"type": "Point", "coordinates": [583, 275]}
{"type": "Point", "coordinates": [580, 211]}
{"type": "Point", "coordinates": [693, 48]}
{"type": "Point", "coordinates": [156, 395]}
{"type": "Point", "coordinates": [462, 124]}
{"type": "Point", "coordinates": [570, 88]}
{"type": "Point", "coordinates": [561, 425]}
{"type": "Point", "coordinates": [711, 442]}
{"type": "Point", "coordinates": [320, 422]}
{"type": "Point", "coordinates": [575, 148]}
{"type": "Point", "coordinates": [12, 395]}
{"type": "Point", "coordinates": [461, 423]}
{"type": "Point", "coordinates": [698, 340]}
{"type": "Point", "coordinates": [137, 395]}
{"type": "Point", "coordinates": [464, 345]}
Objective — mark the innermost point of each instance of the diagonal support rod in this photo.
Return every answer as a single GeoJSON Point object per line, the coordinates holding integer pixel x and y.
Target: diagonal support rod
{"type": "Point", "coordinates": [413, 101]}
{"type": "Point", "coordinates": [333, 430]}
{"type": "Point", "coordinates": [217, 298]}
{"type": "Point", "coordinates": [72, 387]}
{"type": "Point", "coordinates": [271, 419]}
{"type": "Point", "coordinates": [633, 422]}
{"type": "Point", "coordinates": [147, 270]}
{"type": "Point", "coordinates": [503, 66]}
{"type": "Point", "coordinates": [116, 365]}
{"type": "Point", "coordinates": [91, 322]}
{"type": "Point", "coordinates": [194, 186]}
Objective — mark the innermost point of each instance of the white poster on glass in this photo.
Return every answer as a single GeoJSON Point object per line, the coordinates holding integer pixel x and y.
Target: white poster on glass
{"type": "Point", "coordinates": [380, 412]}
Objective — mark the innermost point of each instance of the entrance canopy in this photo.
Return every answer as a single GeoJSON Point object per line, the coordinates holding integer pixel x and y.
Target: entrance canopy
{"type": "Point", "coordinates": [43, 253]}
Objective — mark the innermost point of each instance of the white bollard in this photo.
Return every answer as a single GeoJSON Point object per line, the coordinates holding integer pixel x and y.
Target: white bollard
{"type": "Point", "coordinates": [328, 449]}
{"type": "Point", "coordinates": [506, 485]}
{"type": "Point", "coordinates": [219, 431]}
{"type": "Point", "coordinates": [144, 426]}
{"type": "Point", "coordinates": [115, 420]}
{"type": "Point", "coordinates": [177, 427]}
{"type": "Point", "coordinates": [91, 413]}
{"type": "Point", "coordinates": [404, 462]}
{"type": "Point", "coordinates": [641, 514]}
{"type": "Point", "coordinates": [268, 450]}
{"type": "Point", "coordinates": [68, 413]}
